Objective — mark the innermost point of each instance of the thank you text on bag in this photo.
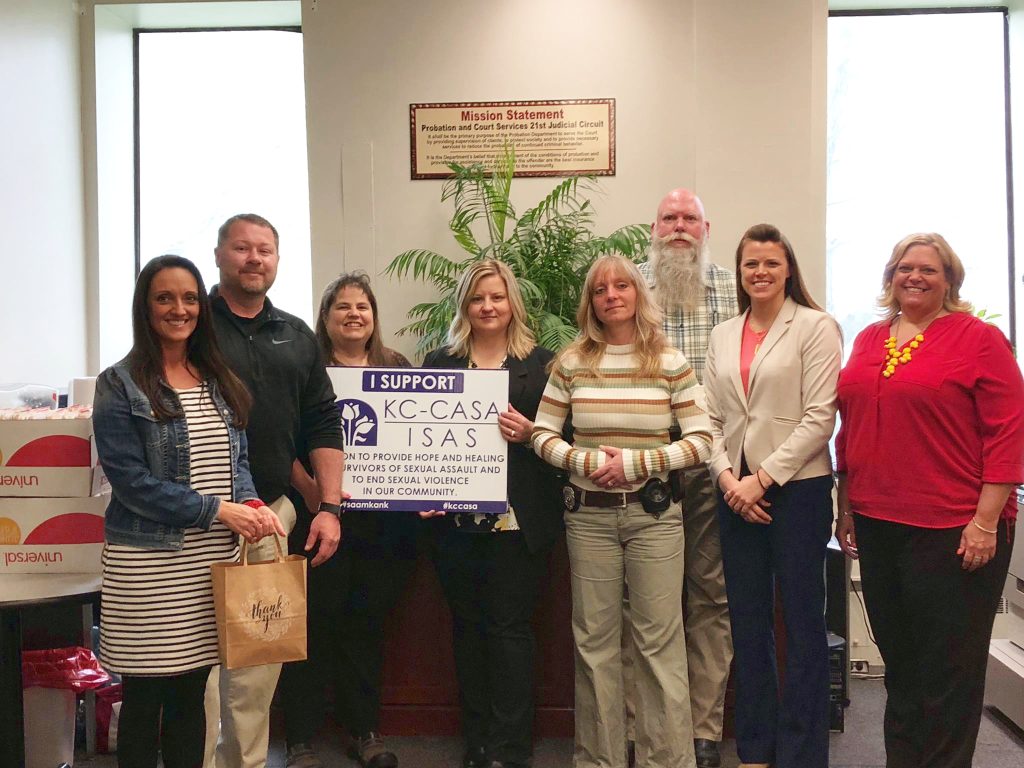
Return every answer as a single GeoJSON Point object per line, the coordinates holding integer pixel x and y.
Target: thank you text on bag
{"type": "Point", "coordinates": [261, 610]}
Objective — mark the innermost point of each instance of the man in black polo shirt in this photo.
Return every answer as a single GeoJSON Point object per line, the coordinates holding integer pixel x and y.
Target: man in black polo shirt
{"type": "Point", "coordinates": [277, 357]}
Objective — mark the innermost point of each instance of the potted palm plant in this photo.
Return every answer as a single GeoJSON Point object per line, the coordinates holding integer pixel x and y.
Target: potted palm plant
{"type": "Point", "coordinates": [549, 248]}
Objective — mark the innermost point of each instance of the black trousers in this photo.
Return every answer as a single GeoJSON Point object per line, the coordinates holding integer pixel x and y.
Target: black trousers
{"type": "Point", "coordinates": [162, 715]}
{"type": "Point", "coordinates": [491, 581]}
{"type": "Point", "coordinates": [933, 622]}
{"type": "Point", "coordinates": [349, 598]}
{"type": "Point", "coordinates": [788, 730]}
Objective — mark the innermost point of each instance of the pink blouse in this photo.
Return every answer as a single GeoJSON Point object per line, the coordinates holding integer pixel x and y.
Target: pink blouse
{"type": "Point", "coordinates": [752, 341]}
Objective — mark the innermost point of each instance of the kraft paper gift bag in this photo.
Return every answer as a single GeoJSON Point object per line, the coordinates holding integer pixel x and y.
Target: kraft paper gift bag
{"type": "Point", "coordinates": [261, 609]}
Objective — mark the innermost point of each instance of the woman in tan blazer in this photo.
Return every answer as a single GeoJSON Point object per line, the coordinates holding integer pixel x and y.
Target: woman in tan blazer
{"type": "Point", "coordinates": [771, 386]}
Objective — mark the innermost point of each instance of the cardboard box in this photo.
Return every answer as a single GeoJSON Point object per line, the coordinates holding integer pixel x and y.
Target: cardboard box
{"type": "Point", "coordinates": [51, 535]}
{"type": "Point", "coordinates": [100, 483]}
{"type": "Point", "coordinates": [46, 457]}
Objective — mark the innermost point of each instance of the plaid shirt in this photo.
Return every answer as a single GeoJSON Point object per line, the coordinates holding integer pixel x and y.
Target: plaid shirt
{"type": "Point", "coordinates": [689, 331]}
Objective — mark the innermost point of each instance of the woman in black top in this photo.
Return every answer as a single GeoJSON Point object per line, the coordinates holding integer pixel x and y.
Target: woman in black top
{"type": "Point", "coordinates": [352, 594]}
{"type": "Point", "coordinates": [491, 566]}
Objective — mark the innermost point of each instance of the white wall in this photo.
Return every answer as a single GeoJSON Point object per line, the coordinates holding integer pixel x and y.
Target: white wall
{"type": "Point", "coordinates": [760, 116]}
{"type": "Point", "coordinates": [726, 96]}
{"type": "Point", "coordinates": [723, 95]}
{"type": "Point", "coordinates": [43, 312]}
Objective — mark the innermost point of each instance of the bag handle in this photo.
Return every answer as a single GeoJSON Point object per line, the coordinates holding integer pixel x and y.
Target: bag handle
{"type": "Point", "coordinates": [277, 545]}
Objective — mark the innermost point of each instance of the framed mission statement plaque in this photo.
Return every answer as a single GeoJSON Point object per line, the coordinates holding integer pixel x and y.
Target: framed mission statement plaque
{"type": "Point", "coordinates": [566, 137]}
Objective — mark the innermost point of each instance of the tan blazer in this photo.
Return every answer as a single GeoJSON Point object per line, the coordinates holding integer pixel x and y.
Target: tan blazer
{"type": "Point", "coordinates": [784, 424]}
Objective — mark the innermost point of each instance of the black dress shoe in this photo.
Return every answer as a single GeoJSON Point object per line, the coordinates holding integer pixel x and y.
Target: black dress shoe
{"type": "Point", "coordinates": [706, 752]}
{"type": "Point", "coordinates": [475, 757]}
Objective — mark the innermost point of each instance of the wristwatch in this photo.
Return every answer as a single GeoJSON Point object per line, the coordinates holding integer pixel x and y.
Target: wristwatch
{"type": "Point", "coordinates": [335, 509]}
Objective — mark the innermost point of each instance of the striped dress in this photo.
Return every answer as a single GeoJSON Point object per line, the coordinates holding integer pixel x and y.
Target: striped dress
{"type": "Point", "coordinates": [623, 409]}
{"type": "Point", "coordinates": [157, 614]}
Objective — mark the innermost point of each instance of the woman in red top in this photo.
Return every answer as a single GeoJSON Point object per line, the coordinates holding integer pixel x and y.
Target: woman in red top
{"type": "Point", "coordinates": [930, 449]}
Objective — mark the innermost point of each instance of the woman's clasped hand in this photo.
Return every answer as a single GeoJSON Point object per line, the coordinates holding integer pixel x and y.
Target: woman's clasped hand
{"type": "Point", "coordinates": [251, 523]}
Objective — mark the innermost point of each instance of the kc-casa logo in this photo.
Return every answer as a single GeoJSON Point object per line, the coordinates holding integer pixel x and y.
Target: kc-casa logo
{"type": "Point", "coordinates": [358, 423]}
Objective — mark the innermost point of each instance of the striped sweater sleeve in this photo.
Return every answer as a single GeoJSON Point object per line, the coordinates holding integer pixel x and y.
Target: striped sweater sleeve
{"type": "Point", "coordinates": [689, 411]}
{"type": "Point", "coordinates": [547, 428]}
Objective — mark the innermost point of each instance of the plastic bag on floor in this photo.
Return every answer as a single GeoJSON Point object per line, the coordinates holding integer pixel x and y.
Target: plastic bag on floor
{"type": "Point", "coordinates": [73, 669]}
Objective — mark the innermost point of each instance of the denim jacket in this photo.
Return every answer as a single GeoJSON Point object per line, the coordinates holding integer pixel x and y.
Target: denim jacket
{"type": "Point", "coordinates": [147, 463]}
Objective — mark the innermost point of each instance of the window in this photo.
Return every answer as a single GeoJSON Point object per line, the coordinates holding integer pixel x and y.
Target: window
{"type": "Point", "coordinates": [221, 130]}
{"type": "Point", "coordinates": [917, 141]}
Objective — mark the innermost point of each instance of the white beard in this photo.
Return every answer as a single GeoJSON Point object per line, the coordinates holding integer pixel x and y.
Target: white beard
{"type": "Point", "coordinates": [678, 272]}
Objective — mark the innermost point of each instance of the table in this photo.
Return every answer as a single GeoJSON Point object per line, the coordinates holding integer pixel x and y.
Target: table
{"type": "Point", "coordinates": [17, 592]}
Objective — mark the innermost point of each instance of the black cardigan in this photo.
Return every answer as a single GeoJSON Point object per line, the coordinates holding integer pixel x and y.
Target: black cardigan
{"type": "Point", "coordinates": [534, 487]}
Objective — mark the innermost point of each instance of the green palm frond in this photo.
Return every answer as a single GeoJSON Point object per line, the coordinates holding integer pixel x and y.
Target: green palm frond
{"type": "Point", "coordinates": [555, 332]}
{"type": "Point", "coordinates": [431, 325]}
{"type": "Point", "coordinates": [631, 241]}
{"type": "Point", "coordinates": [461, 226]}
{"type": "Point", "coordinates": [988, 317]}
{"type": "Point", "coordinates": [424, 265]}
{"type": "Point", "coordinates": [423, 309]}
{"type": "Point", "coordinates": [565, 195]}
{"type": "Point", "coordinates": [498, 191]}
{"type": "Point", "coordinates": [548, 248]}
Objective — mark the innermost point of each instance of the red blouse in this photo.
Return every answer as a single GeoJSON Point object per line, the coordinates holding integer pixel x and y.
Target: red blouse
{"type": "Point", "coordinates": [917, 447]}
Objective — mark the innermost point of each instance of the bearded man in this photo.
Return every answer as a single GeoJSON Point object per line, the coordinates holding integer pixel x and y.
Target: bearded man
{"type": "Point", "coordinates": [695, 295]}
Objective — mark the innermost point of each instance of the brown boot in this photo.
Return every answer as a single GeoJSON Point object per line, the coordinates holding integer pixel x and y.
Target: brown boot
{"type": "Point", "coordinates": [370, 751]}
{"type": "Point", "coordinates": [303, 756]}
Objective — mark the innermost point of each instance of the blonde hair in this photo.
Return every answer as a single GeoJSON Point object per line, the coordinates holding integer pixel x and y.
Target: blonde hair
{"type": "Point", "coordinates": [951, 266]}
{"type": "Point", "coordinates": [520, 338]}
{"type": "Point", "coordinates": [589, 346]}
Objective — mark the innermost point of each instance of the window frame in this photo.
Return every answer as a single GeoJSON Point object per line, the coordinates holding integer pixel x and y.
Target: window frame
{"type": "Point", "coordinates": [1011, 246]}
{"type": "Point", "coordinates": [137, 32]}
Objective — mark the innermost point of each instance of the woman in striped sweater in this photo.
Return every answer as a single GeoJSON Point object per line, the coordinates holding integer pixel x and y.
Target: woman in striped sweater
{"type": "Point", "coordinates": [625, 388]}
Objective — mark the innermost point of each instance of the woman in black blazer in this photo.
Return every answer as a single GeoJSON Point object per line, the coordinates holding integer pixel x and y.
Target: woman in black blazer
{"type": "Point", "coordinates": [491, 566]}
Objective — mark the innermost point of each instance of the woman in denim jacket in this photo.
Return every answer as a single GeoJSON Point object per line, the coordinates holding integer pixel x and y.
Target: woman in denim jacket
{"type": "Point", "coordinates": [169, 423]}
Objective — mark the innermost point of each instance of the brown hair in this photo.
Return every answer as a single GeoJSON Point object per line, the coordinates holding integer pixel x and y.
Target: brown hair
{"type": "Point", "coordinates": [251, 218]}
{"type": "Point", "coordinates": [377, 354]}
{"type": "Point", "coordinates": [146, 362]}
{"type": "Point", "coordinates": [795, 288]}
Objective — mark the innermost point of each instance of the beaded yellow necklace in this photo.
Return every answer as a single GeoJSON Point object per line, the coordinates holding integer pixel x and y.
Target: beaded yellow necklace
{"type": "Point", "coordinates": [895, 356]}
